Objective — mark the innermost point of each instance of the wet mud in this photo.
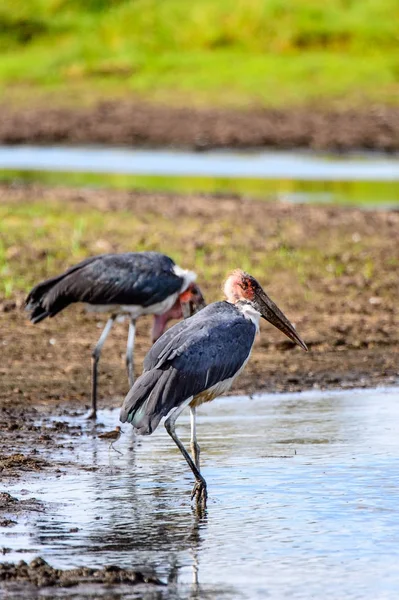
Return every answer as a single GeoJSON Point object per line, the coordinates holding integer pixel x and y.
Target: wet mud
{"type": "Point", "coordinates": [133, 123]}
{"type": "Point", "coordinates": [40, 574]}
{"type": "Point", "coordinates": [32, 442]}
{"type": "Point", "coordinates": [11, 505]}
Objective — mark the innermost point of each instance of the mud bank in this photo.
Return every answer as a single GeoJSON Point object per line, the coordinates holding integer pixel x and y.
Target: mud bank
{"type": "Point", "coordinates": [127, 123]}
{"type": "Point", "coordinates": [40, 574]}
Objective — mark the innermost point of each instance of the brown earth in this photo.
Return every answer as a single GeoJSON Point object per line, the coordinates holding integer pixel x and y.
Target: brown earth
{"type": "Point", "coordinates": [350, 321]}
{"type": "Point", "coordinates": [134, 123]}
{"type": "Point", "coordinates": [39, 573]}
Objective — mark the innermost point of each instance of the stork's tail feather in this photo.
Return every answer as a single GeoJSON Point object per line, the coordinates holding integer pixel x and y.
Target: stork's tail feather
{"type": "Point", "coordinates": [37, 312]}
{"type": "Point", "coordinates": [150, 399]}
{"type": "Point", "coordinates": [34, 303]}
{"type": "Point", "coordinates": [44, 300]}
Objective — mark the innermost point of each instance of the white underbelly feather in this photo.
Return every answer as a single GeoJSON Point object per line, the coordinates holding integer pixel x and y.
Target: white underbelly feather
{"type": "Point", "coordinates": [219, 388]}
{"type": "Point", "coordinates": [133, 310]}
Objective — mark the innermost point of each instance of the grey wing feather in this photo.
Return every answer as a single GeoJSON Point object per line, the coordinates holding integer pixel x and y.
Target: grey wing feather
{"type": "Point", "coordinates": [141, 278]}
{"type": "Point", "coordinates": [204, 351]}
{"type": "Point", "coordinates": [36, 299]}
{"type": "Point", "coordinates": [161, 346]}
{"type": "Point", "coordinates": [127, 279]}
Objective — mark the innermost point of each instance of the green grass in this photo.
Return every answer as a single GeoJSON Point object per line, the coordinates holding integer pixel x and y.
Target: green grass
{"type": "Point", "coordinates": [41, 237]}
{"type": "Point", "coordinates": [355, 193]}
{"type": "Point", "coordinates": [246, 52]}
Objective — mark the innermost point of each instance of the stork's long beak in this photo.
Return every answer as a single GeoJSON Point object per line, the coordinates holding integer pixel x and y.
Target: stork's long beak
{"type": "Point", "coordinates": [192, 301]}
{"type": "Point", "coordinates": [187, 309]}
{"type": "Point", "coordinates": [273, 314]}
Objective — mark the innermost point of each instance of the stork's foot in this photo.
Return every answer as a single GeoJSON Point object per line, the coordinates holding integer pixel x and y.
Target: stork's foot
{"type": "Point", "coordinates": [92, 415]}
{"type": "Point", "coordinates": [200, 492]}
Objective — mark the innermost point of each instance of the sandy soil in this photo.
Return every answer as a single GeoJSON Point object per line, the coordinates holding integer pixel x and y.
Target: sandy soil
{"type": "Point", "coordinates": [144, 124]}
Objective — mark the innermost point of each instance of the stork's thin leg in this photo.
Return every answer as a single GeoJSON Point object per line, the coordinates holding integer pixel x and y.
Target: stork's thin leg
{"type": "Point", "coordinates": [129, 351]}
{"type": "Point", "coordinates": [95, 357]}
{"type": "Point", "coordinates": [195, 449]}
{"type": "Point", "coordinates": [199, 490]}
{"type": "Point", "coordinates": [113, 448]}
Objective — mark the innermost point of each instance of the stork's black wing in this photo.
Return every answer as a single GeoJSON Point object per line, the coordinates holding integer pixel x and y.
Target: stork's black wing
{"type": "Point", "coordinates": [136, 278]}
{"type": "Point", "coordinates": [188, 359]}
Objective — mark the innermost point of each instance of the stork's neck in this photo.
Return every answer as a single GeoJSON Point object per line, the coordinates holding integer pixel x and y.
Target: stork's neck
{"type": "Point", "coordinates": [249, 313]}
{"type": "Point", "coordinates": [186, 276]}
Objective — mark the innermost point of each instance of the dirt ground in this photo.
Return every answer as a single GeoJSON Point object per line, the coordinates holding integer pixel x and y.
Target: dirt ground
{"type": "Point", "coordinates": [40, 574]}
{"type": "Point", "coordinates": [134, 123]}
{"type": "Point", "coordinates": [350, 319]}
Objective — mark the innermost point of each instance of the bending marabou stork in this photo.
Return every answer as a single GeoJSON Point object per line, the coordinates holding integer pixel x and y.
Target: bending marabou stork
{"type": "Point", "coordinates": [198, 359]}
{"type": "Point", "coordinates": [133, 284]}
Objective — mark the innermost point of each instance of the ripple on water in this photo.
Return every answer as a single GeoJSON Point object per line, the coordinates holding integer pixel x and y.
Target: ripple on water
{"type": "Point", "coordinates": [303, 501]}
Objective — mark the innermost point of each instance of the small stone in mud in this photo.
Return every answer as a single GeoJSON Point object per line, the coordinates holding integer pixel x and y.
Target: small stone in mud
{"type": "Point", "coordinates": [60, 425]}
{"type": "Point", "coordinates": [20, 461]}
{"type": "Point", "coordinates": [7, 523]}
{"type": "Point", "coordinates": [40, 574]}
{"type": "Point", "coordinates": [10, 504]}
{"type": "Point", "coordinates": [6, 500]}
{"type": "Point", "coordinates": [8, 306]}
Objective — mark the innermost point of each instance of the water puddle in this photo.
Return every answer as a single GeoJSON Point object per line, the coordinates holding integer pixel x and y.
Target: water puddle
{"type": "Point", "coordinates": [368, 180]}
{"type": "Point", "coordinates": [300, 166]}
{"type": "Point", "coordinates": [303, 501]}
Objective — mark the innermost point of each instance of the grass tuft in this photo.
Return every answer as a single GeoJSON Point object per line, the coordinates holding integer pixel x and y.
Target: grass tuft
{"type": "Point", "coordinates": [40, 238]}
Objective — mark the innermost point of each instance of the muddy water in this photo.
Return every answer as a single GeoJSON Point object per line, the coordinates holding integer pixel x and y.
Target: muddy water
{"type": "Point", "coordinates": [304, 501]}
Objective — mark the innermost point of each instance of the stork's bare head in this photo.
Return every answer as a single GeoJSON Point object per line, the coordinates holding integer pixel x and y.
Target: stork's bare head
{"type": "Point", "coordinates": [188, 303]}
{"type": "Point", "coordinates": [242, 287]}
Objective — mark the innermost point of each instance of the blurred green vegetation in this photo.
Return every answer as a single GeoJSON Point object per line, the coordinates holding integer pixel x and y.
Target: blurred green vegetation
{"type": "Point", "coordinates": [236, 53]}
{"type": "Point", "coordinates": [350, 193]}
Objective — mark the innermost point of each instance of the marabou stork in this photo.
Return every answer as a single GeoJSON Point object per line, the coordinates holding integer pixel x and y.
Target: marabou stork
{"type": "Point", "coordinates": [133, 284]}
{"type": "Point", "coordinates": [197, 360]}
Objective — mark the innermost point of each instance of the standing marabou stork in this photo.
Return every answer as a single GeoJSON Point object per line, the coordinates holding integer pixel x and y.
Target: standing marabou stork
{"type": "Point", "coordinates": [133, 284]}
{"type": "Point", "coordinates": [197, 360]}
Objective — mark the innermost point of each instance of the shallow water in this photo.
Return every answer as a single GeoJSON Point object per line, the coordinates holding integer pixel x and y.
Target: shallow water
{"type": "Point", "coordinates": [368, 180]}
{"type": "Point", "coordinates": [303, 501]}
{"type": "Point", "coordinates": [296, 165]}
